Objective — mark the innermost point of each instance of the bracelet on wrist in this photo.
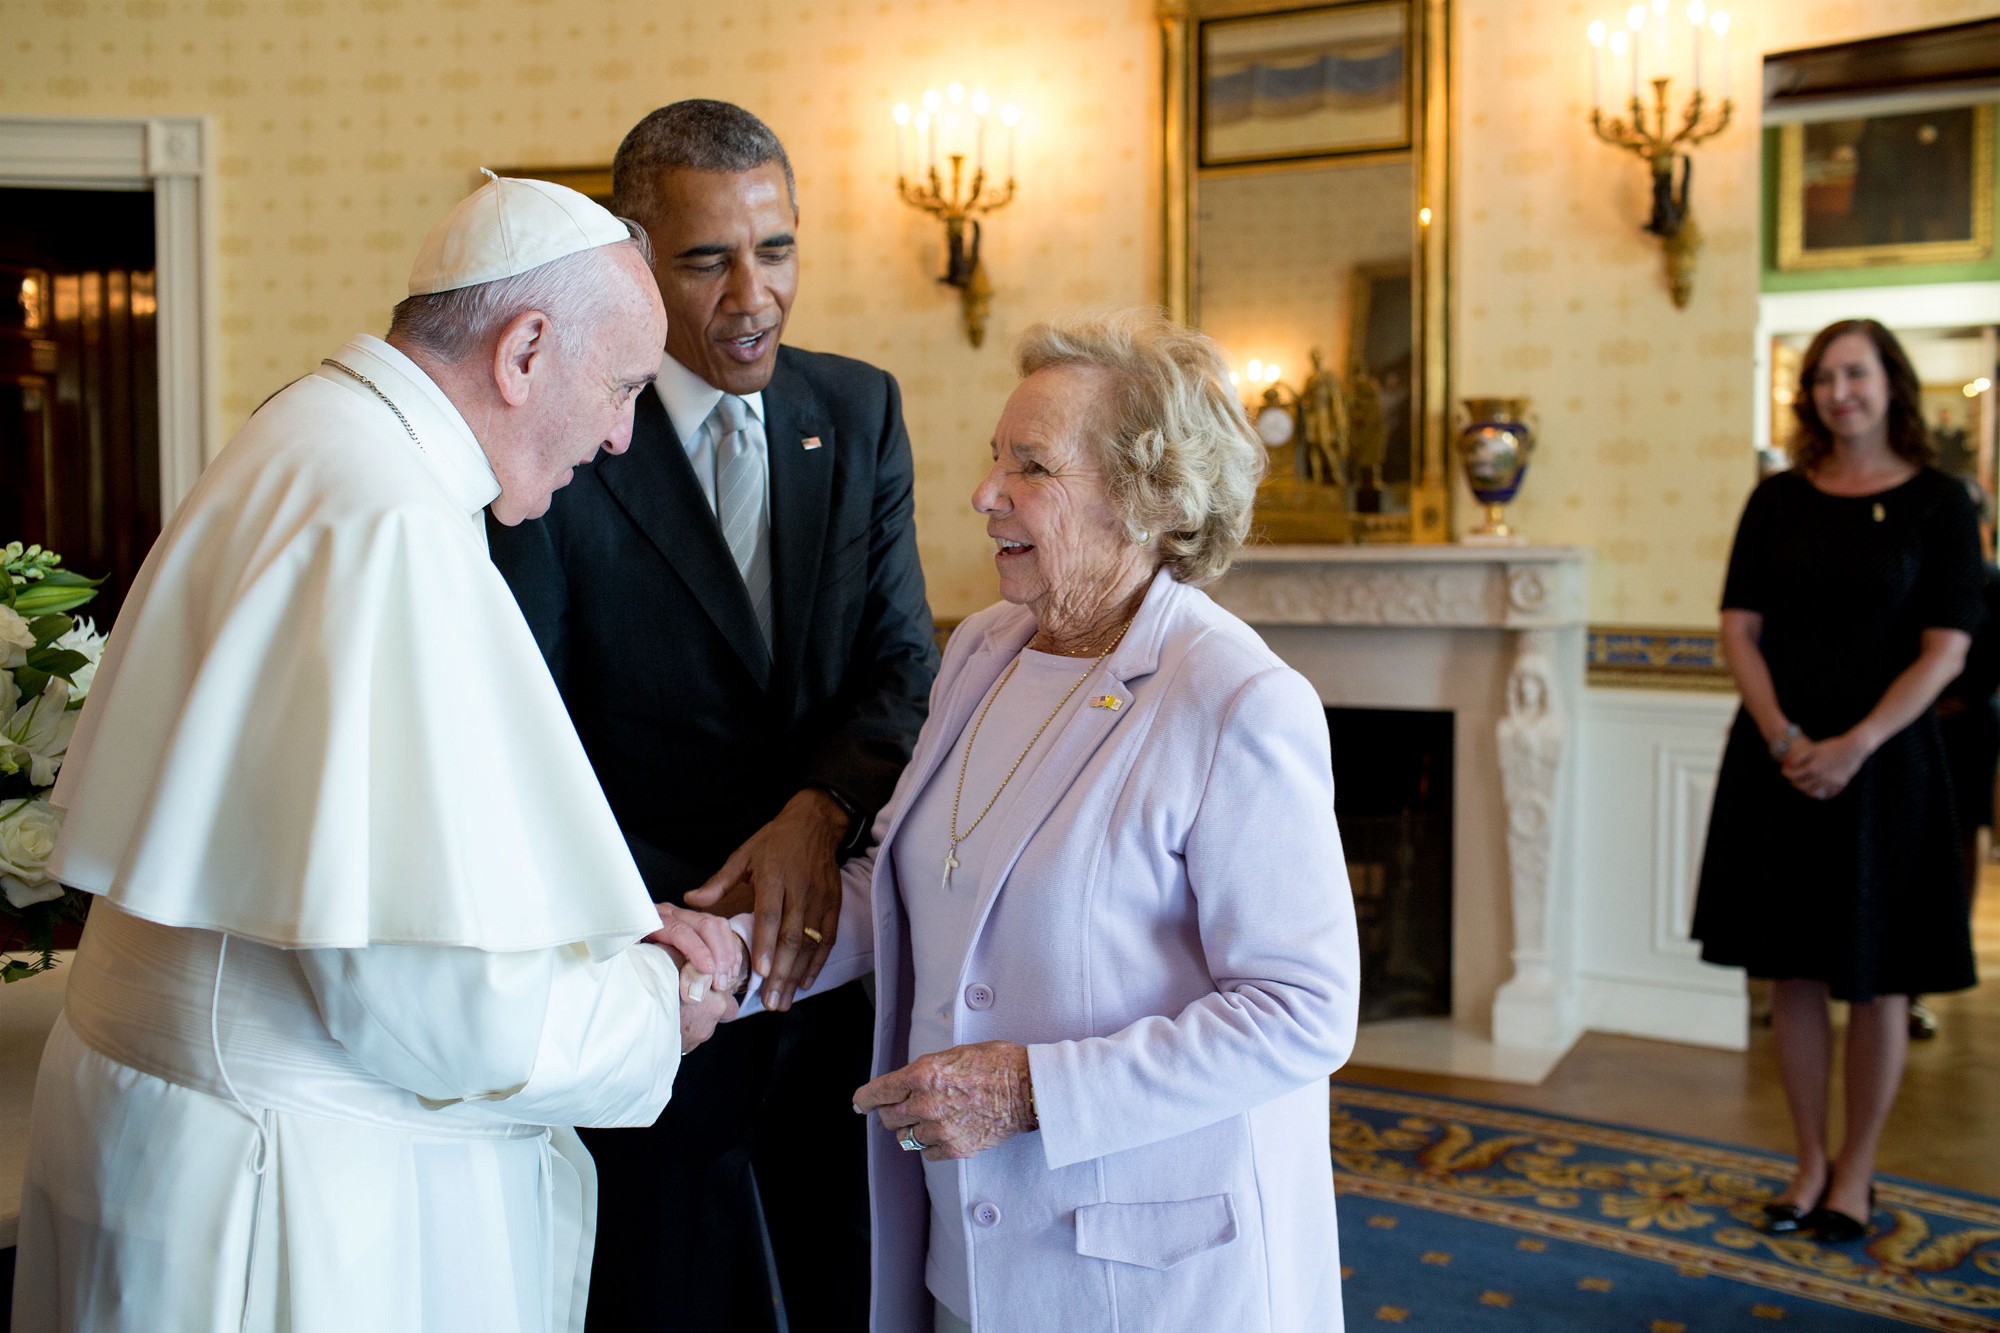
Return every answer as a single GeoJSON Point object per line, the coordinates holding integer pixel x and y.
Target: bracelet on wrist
{"type": "Point", "coordinates": [1781, 746]}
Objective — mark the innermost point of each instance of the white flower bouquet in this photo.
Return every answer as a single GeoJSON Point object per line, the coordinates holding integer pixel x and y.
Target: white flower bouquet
{"type": "Point", "coordinates": [47, 659]}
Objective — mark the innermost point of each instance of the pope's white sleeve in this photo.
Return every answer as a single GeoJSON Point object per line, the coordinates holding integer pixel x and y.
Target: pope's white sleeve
{"type": "Point", "coordinates": [544, 1036]}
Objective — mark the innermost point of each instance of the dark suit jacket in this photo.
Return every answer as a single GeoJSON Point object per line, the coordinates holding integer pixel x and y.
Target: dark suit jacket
{"type": "Point", "coordinates": [697, 732]}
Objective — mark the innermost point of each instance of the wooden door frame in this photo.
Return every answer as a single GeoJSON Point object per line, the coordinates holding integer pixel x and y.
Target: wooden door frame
{"type": "Point", "coordinates": [170, 156]}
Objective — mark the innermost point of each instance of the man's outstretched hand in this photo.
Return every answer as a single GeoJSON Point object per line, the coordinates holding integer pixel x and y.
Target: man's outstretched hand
{"type": "Point", "coordinates": [788, 874]}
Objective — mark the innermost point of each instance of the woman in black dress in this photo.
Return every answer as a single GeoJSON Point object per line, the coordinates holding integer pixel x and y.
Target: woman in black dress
{"type": "Point", "coordinates": [1833, 863]}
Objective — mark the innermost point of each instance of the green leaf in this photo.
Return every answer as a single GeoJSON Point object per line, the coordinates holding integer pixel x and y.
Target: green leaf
{"type": "Point", "coordinates": [64, 662]}
{"type": "Point", "coordinates": [63, 578]}
{"type": "Point", "coordinates": [29, 681]}
{"type": "Point", "coordinates": [47, 629]}
{"type": "Point", "coordinates": [16, 970]}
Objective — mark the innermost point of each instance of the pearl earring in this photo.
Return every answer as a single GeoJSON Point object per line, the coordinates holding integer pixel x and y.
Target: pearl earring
{"type": "Point", "coordinates": [1142, 537]}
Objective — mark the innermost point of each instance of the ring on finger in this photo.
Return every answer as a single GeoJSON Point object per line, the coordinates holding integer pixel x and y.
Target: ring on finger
{"type": "Point", "coordinates": [815, 936]}
{"type": "Point", "coordinates": [910, 1142]}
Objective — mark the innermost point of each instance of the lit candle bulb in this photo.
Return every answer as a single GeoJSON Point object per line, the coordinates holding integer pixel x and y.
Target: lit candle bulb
{"type": "Point", "coordinates": [1010, 116]}
{"type": "Point", "coordinates": [929, 145]}
{"type": "Point", "coordinates": [1271, 373]}
{"type": "Point", "coordinates": [954, 96]}
{"type": "Point", "coordinates": [1697, 15]}
{"type": "Point", "coordinates": [1635, 19]}
{"type": "Point", "coordinates": [1620, 44]}
{"type": "Point", "coordinates": [1256, 371]}
{"type": "Point", "coordinates": [1596, 35]}
{"type": "Point", "coordinates": [902, 115]}
{"type": "Point", "coordinates": [1718, 23]}
{"type": "Point", "coordinates": [979, 107]}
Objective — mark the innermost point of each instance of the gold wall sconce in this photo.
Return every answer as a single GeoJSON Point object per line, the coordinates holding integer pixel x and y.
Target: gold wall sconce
{"type": "Point", "coordinates": [944, 136]}
{"type": "Point", "coordinates": [1646, 49]}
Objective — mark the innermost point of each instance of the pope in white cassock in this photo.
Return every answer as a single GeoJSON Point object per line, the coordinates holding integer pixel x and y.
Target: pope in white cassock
{"type": "Point", "coordinates": [363, 945]}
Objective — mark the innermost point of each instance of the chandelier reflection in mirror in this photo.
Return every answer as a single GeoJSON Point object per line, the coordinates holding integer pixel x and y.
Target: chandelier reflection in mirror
{"type": "Point", "coordinates": [1646, 48]}
{"type": "Point", "coordinates": [946, 138]}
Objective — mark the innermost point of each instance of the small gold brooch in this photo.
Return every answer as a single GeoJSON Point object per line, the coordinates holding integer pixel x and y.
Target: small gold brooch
{"type": "Point", "coordinates": [1880, 513]}
{"type": "Point", "coordinates": [1111, 701]}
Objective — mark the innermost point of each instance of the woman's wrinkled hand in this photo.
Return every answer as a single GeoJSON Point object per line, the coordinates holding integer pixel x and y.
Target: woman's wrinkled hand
{"type": "Point", "coordinates": [959, 1101]}
{"type": "Point", "coordinates": [1822, 769]}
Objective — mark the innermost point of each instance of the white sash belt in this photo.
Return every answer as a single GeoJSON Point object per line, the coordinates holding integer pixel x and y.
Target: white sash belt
{"type": "Point", "coordinates": [141, 994]}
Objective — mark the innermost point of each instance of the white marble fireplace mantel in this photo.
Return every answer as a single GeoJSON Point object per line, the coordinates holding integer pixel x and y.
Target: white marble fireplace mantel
{"type": "Point", "coordinates": [1495, 634]}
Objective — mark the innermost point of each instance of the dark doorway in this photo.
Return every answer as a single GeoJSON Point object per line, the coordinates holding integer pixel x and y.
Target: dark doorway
{"type": "Point", "coordinates": [1392, 794]}
{"type": "Point", "coordinates": [79, 381]}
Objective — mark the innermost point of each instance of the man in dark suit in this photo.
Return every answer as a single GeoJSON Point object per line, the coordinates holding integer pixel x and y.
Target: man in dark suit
{"type": "Point", "coordinates": [736, 617]}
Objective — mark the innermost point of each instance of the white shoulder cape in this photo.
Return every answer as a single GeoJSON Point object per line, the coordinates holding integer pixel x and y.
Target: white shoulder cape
{"type": "Point", "coordinates": [321, 721]}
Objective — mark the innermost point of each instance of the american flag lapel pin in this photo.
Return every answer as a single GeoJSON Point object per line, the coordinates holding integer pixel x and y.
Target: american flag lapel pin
{"type": "Point", "coordinates": [809, 443]}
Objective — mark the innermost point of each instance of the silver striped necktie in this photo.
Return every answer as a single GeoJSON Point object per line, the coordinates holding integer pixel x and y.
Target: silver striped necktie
{"type": "Point", "coordinates": [742, 501]}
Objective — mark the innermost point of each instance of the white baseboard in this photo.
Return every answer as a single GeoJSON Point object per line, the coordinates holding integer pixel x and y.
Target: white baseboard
{"type": "Point", "coordinates": [1667, 1013]}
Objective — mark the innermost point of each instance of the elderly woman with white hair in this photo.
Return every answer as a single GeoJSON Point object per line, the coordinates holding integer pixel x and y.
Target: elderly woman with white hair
{"type": "Point", "coordinates": [1111, 925]}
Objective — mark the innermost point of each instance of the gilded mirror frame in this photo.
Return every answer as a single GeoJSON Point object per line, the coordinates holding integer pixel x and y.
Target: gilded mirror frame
{"type": "Point", "coordinates": [1429, 514]}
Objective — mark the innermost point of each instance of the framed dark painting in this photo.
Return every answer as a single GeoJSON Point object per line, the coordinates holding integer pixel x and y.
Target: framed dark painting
{"type": "Point", "coordinates": [592, 182]}
{"type": "Point", "coordinates": [1329, 81]}
{"type": "Point", "coordinates": [1911, 188]}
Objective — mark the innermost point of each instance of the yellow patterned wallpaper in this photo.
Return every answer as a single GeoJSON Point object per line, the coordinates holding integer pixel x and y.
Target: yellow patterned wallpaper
{"type": "Point", "coordinates": [345, 128]}
{"type": "Point", "coordinates": [1645, 410]}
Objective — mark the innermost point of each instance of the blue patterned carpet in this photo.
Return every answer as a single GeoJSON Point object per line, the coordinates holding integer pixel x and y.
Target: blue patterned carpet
{"type": "Point", "coordinates": [1458, 1215]}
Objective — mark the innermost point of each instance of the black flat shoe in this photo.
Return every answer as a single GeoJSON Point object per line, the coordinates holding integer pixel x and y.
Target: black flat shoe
{"type": "Point", "coordinates": [1830, 1226]}
{"type": "Point", "coordinates": [1783, 1219]}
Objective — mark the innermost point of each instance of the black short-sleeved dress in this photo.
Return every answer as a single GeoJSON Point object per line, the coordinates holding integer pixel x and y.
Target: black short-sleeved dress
{"type": "Point", "coordinates": [1971, 728]}
{"type": "Point", "coordinates": [1866, 891]}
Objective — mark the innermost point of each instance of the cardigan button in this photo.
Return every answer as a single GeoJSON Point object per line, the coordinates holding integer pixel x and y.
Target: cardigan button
{"type": "Point", "coordinates": [986, 1214]}
{"type": "Point", "coordinates": [979, 996]}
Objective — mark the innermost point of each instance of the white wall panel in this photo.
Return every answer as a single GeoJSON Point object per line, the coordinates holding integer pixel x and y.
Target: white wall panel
{"type": "Point", "coordinates": [1648, 760]}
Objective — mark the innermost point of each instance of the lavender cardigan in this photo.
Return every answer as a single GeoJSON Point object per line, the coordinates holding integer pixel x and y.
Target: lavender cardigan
{"type": "Point", "coordinates": [1166, 924]}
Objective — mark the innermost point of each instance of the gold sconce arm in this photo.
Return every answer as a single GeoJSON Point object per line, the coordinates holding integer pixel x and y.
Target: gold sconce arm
{"type": "Point", "coordinates": [1652, 45]}
{"type": "Point", "coordinates": [954, 198]}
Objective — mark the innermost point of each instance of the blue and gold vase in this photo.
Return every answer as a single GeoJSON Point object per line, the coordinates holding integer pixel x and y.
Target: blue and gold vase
{"type": "Point", "coordinates": [1494, 444]}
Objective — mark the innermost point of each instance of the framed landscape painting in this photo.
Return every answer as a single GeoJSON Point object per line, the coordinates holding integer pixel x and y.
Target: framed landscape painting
{"type": "Point", "coordinates": [1305, 83]}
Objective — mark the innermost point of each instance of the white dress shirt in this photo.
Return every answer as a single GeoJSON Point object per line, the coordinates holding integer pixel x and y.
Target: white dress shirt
{"type": "Point", "coordinates": [690, 400]}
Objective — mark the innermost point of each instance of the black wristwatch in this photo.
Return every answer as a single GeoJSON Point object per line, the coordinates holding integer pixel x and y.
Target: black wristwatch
{"type": "Point", "coordinates": [857, 825]}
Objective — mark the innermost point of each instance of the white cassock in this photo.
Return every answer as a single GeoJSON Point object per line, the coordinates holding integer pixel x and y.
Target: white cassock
{"type": "Point", "coordinates": [361, 950]}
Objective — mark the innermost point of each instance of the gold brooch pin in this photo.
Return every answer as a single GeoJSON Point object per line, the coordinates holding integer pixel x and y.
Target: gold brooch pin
{"type": "Point", "coordinates": [1880, 513]}
{"type": "Point", "coordinates": [1111, 701]}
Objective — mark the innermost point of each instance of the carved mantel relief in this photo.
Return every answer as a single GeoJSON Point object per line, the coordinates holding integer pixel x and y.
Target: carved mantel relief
{"type": "Point", "coordinates": [1534, 597]}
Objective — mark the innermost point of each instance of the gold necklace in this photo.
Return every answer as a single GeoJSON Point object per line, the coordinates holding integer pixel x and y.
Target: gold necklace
{"type": "Point", "coordinates": [951, 853]}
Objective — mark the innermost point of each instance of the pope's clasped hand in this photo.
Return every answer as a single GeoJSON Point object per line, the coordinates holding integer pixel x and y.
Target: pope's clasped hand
{"type": "Point", "coordinates": [714, 965]}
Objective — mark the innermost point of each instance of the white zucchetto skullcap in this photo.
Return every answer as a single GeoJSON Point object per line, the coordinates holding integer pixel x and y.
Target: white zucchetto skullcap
{"type": "Point", "coordinates": [506, 227]}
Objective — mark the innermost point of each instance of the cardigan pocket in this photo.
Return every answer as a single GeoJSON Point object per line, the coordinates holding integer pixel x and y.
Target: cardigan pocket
{"type": "Point", "coordinates": [1155, 1235]}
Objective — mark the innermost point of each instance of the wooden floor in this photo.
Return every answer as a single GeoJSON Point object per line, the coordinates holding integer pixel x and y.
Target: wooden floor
{"type": "Point", "coordinates": [1945, 1128]}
